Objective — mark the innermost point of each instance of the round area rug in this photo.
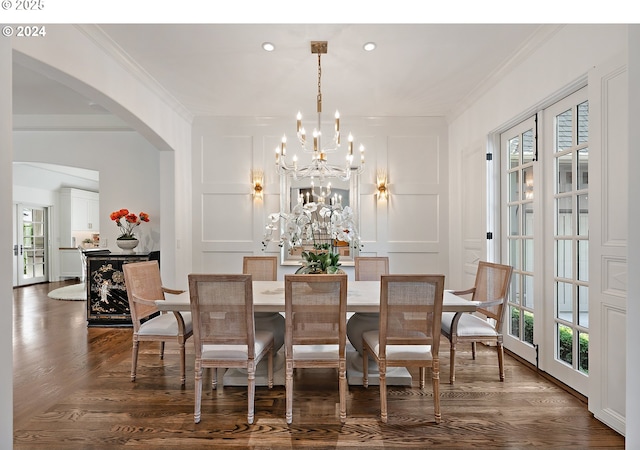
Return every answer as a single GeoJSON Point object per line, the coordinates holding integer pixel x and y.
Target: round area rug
{"type": "Point", "coordinates": [72, 292]}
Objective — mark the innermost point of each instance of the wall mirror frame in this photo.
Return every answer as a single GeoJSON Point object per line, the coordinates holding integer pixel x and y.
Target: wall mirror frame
{"type": "Point", "coordinates": [290, 190]}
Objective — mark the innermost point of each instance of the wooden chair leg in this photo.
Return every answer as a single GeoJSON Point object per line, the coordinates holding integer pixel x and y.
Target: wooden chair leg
{"type": "Point", "coordinates": [452, 363]}
{"type": "Point", "coordinates": [365, 368]}
{"type": "Point", "coordinates": [500, 359]}
{"type": "Point", "coordinates": [251, 391]}
{"type": "Point", "coordinates": [343, 389]}
{"type": "Point", "coordinates": [288, 384]}
{"type": "Point", "coordinates": [270, 368]}
{"type": "Point", "coordinates": [473, 350]}
{"type": "Point", "coordinates": [382, 370]}
{"type": "Point", "coordinates": [183, 365]}
{"type": "Point", "coordinates": [134, 359]}
{"type": "Point", "coordinates": [162, 350]}
{"type": "Point", "coordinates": [422, 372]}
{"type": "Point", "coordinates": [435, 369]}
{"type": "Point", "coordinates": [198, 391]}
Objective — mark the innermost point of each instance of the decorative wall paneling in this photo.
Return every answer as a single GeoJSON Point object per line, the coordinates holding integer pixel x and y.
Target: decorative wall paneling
{"type": "Point", "coordinates": [411, 226]}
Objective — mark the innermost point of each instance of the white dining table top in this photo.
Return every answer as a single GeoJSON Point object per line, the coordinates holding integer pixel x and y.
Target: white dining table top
{"type": "Point", "coordinates": [362, 296]}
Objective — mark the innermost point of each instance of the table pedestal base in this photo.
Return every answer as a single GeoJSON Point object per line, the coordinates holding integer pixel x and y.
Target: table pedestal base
{"type": "Point", "coordinates": [396, 376]}
{"type": "Point", "coordinates": [238, 377]}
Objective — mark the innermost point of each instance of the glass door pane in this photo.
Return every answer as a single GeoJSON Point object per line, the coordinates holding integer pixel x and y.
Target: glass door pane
{"type": "Point", "coordinates": [32, 251]}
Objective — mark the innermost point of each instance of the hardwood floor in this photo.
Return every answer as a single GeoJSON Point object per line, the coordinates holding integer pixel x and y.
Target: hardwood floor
{"type": "Point", "coordinates": [72, 390]}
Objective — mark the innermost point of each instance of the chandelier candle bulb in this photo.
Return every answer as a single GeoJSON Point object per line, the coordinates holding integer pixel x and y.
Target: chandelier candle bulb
{"type": "Point", "coordinates": [299, 122]}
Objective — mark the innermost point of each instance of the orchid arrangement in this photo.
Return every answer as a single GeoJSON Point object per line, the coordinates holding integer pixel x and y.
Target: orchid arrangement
{"type": "Point", "coordinates": [318, 226]}
{"type": "Point", "coordinates": [127, 222]}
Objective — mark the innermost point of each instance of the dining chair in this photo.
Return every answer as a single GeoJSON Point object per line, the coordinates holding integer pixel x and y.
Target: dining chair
{"type": "Point", "coordinates": [409, 333]}
{"type": "Point", "coordinates": [265, 268]}
{"type": "Point", "coordinates": [144, 286]}
{"type": "Point", "coordinates": [224, 331]}
{"type": "Point", "coordinates": [262, 268]}
{"type": "Point", "coordinates": [367, 268]}
{"type": "Point", "coordinates": [491, 290]}
{"type": "Point", "coordinates": [315, 337]}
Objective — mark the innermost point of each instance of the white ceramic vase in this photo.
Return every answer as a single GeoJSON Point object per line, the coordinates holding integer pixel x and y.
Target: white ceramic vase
{"type": "Point", "coordinates": [127, 245]}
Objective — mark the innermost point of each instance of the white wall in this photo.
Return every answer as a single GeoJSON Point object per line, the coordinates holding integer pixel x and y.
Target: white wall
{"type": "Point", "coordinates": [633, 293]}
{"type": "Point", "coordinates": [80, 57]}
{"type": "Point", "coordinates": [411, 227]}
{"type": "Point", "coordinates": [6, 241]}
{"type": "Point", "coordinates": [564, 60]}
{"type": "Point", "coordinates": [561, 61]}
{"type": "Point", "coordinates": [129, 168]}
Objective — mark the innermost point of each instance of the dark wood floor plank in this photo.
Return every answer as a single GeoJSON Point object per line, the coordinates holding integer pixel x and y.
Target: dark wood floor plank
{"type": "Point", "coordinates": [72, 390]}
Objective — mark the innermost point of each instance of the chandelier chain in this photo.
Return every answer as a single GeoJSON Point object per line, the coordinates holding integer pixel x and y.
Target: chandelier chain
{"type": "Point", "coordinates": [319, 98]}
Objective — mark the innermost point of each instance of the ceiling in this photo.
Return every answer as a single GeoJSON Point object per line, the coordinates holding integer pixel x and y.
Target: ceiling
{"type": "Point", "coordinates": [221, 70]}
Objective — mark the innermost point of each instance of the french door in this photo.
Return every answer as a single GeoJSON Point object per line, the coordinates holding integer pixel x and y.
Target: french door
{"type": "Point", "coordinates": [545, 181]}
{"type": "Point", "coordinates": [30, 245]}
{"type": "Point", "coordinates": [522, 220]}
{"type": "Point", "coordinates": [566, 325]}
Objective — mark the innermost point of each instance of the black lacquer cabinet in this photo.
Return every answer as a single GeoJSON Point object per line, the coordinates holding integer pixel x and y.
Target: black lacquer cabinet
{"type": "Point", "coordinates": [107, 301]}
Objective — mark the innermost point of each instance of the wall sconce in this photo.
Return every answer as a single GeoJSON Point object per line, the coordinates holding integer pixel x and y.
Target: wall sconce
{"type": "Point", "coordinates": [381, 185]}
{"type": "Point", "coordinates": [257, 183]}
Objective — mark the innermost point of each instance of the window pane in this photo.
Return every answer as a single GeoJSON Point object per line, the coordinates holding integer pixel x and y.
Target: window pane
{"type": "Point", "coordinates": [514, 290]}
{"type": "Point", "coordinates": [564, 262]}
{"type": "Point", "coordinates": [513, 220]}
{"type": "Point", "coordinates": [565, 344]}
{"type": "Point", "coordinates": [528, 219]}
{"type": "Point", "coordinates": [527, 180]}
{"type": "Point", "coordinates": [583, 344]}
{"type": "Point", "coordinates": [564, 131]}
{"type": "Point", "coordinates": [583, 306]}
{"type": "Point", "coordinates": [583, 215]}
{"type": "Point", "coordinates": [564, 218]}
{"type": "Point", "coordinates": [583, 122]}
{"type": "Point", "coordinates": [564, 173]}
{"type": "Point", "coordinates": [527, 255]}
{"type": "Point", "coordinates": [583, 168]}
{"type": "Point", "coordinates": [528, 151]}
{"type": "Point", "coordinates": [514, 253]}
{"type": "Point", "coordinates": [528, 291]}
{"type": "Point", "coordinates": [564, 304]}
{"type": "Point", "coordinates": [528, 327]}
{"type": "Point", "coordinates": [514, 323]}
{"type": "Point", "coordinates": [583, 260]}
{"type": "Point", "coordinates": [514, 186]}
{"type": "Point", "coordinates": [514, 152]}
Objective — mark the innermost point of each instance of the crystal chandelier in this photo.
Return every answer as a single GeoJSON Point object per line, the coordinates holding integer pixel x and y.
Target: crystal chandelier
{"type": "Point", "coordinates": [319, 168]}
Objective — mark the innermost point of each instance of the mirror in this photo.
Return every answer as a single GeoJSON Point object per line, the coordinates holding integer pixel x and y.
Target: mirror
{"type": "Point", "coordinates": [297, 191]}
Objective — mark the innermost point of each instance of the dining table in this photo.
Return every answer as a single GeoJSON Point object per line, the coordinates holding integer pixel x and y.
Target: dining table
{"type": "Point", "coordinates": [362, 297]}
{"type": "Point", "coordinates": [363, 302]}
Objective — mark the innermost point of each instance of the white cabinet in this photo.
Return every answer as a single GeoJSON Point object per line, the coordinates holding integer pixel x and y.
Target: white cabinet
{"type": "Point", "coordinates": [84, 214]}
{"type": "Point", "coordinates": [79, 212]}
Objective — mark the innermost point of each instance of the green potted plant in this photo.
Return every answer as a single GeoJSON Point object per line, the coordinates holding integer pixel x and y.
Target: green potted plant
{"type": "Point", "coordinates": [323, 260]}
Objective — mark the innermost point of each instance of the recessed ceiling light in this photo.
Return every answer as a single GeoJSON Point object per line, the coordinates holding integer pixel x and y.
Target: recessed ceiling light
{"type": "Point", "coordinates": [268, 46]}
{"type": "Point", "coordinates": [369, 46]}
